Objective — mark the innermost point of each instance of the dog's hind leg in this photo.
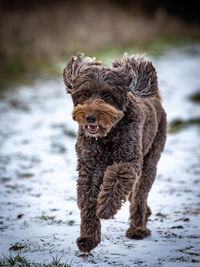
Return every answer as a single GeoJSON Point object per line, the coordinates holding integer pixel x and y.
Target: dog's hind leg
{"type": "Point", "coordinates": [139, 211]}
{"type": "Point", "coordinates": [118, 182]}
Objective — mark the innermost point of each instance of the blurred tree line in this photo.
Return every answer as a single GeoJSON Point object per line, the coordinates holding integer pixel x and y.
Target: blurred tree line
{"type": "Point", "coordinates": [36, 34]}
{"type": "Point", "coordinates": [187, 11]}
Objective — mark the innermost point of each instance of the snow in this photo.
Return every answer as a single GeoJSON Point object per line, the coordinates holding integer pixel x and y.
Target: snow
{"type": "Point", "coordinates": [38, 178]}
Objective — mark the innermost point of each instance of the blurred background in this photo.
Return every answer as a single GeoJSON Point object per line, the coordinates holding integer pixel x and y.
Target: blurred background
{"type": "Point", "coordinates": [39, 217]}
{"type": "Point", "coordinates": [36, 35]}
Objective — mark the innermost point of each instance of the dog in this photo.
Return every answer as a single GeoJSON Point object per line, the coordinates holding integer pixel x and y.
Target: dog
{"type": "Point", "coordinates": [122, 132]}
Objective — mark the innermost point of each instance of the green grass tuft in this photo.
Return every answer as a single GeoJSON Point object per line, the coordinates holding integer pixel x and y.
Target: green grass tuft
{"type": "Point", "coordinates": [195, 97]}
{"type": "Point", "coordinates": [69, 133]}
{"type": "Point", "coordinates": [70, 222]}
{"type": "Point", "coordinates": [17, 261]}
{"type": "Point", "coordinates": [53, 220]}
{"type": "Point", "coordinates": [50, 219]}
{"type": "Point", "coordinates": [179, 124]}
{"type": "Point", "coordinates": [17, 246]}
{"type": "Point", "coordinates": [46, 218]}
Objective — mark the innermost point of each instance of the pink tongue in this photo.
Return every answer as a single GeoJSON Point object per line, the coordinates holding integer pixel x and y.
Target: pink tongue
{"type": "Point", "coordinates": [93, 127]}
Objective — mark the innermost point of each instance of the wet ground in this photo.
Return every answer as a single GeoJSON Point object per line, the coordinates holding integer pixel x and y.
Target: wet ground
{"type": "Point", "coordinates": [39, 218]}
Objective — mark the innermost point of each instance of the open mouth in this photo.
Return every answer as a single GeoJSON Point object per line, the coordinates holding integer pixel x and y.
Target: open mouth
{"type": "Point", "coordinates": [92, 128]}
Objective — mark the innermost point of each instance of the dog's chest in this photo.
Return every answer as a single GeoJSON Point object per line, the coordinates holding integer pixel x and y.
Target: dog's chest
{"type": "Point", "coordinates": [97, 152]}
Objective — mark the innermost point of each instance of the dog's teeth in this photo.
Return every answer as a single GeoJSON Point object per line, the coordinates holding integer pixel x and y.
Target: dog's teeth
{"type": "Point", "coordinates": [93, 128]}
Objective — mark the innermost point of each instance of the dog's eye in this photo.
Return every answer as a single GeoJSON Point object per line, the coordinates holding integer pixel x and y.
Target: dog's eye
{"type": "Point", "coordinates": [107, 95]}
{"type": "Point", "coordinates": [85, 94]}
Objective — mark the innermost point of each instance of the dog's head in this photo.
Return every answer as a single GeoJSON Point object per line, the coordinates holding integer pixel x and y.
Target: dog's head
{"type": "Point", "coordinates": [99, 93]}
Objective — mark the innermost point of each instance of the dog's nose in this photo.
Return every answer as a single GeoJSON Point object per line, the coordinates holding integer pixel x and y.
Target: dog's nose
{"type": "Point", "coordinates": [91, 118]}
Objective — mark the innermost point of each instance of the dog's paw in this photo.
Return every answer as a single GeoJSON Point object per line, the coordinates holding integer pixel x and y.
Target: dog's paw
{"type": "Point", "coordinates": [137, 233]}
{"type": "Point", "coordinates": [86, 244]}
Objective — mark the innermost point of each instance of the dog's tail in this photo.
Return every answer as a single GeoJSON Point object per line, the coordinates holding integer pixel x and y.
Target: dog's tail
{"type": "Point", "coordinates": [141, 75]}
{"type": "Point", "coordinates": [117, 184]}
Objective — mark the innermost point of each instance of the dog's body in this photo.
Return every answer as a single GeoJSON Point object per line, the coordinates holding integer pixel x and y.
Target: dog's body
{"type": "Point", "coordinates": [122, 132]}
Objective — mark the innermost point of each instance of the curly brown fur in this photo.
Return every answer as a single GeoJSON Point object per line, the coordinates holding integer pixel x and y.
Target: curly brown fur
{"type": "Point", "coordinates": [117, 183]}
{"type": "Point", "coordinates": [122, 132]}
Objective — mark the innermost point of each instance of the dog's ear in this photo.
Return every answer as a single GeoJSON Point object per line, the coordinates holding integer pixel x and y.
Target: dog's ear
{"type": "Point", "coordinates": [140, 75]}
{"type": "Point", "coordinates": [70, 71]}
{"type": "Point", "coordinates": [75, 65]}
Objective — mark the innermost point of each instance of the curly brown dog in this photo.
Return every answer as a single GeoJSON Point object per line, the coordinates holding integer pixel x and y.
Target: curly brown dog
{"type": "Point", "coordinates": [122, 132]}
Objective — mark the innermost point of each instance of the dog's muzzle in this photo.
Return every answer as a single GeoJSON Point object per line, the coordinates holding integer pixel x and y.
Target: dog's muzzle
{"type": "Point", "coordinates": [97, 117]}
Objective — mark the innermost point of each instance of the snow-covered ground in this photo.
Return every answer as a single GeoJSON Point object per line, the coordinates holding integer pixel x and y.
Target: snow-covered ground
{"type": "Point", "coordinates": [39, 217]}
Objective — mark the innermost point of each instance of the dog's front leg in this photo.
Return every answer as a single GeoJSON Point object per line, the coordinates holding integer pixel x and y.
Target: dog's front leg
{"type": "Point", "coordinates": [90, 231]}
{"type": "Point", "coordinates": [118, 182]}
{"type": "Point", "coordinates": [119, 179]}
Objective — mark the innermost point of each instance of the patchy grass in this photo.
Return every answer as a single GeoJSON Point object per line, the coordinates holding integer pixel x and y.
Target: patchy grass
{"type": "Point", "coordinates": [52, 220]}
{"type": "Point", "coordinates": [70, 222]}
{"type": "Point", "coordinates": [179, 124]}
{"type": "Point", "coordinates": [46, 218]}
{"type": "Point", "coordinates": [17, 261]}
{"type": "Point", "coordinates": [195, 97]}
{"type": "Point", "coordinates": [5, 179]}
{"type": "Point", "coordinates": [20, 261]}
{"type": "Point", "coordinates": [64, 129]}
{"type": "Point", "coordinates": [58, 148]}
{"type": "Point", "coordinates": [25, 175]}
{"type": "Point", "coordinates": [17, 246]}
{"type": "Point", "coordinates": [56, 262]}
{"type": "Point", "coordinates": [69, 133]}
